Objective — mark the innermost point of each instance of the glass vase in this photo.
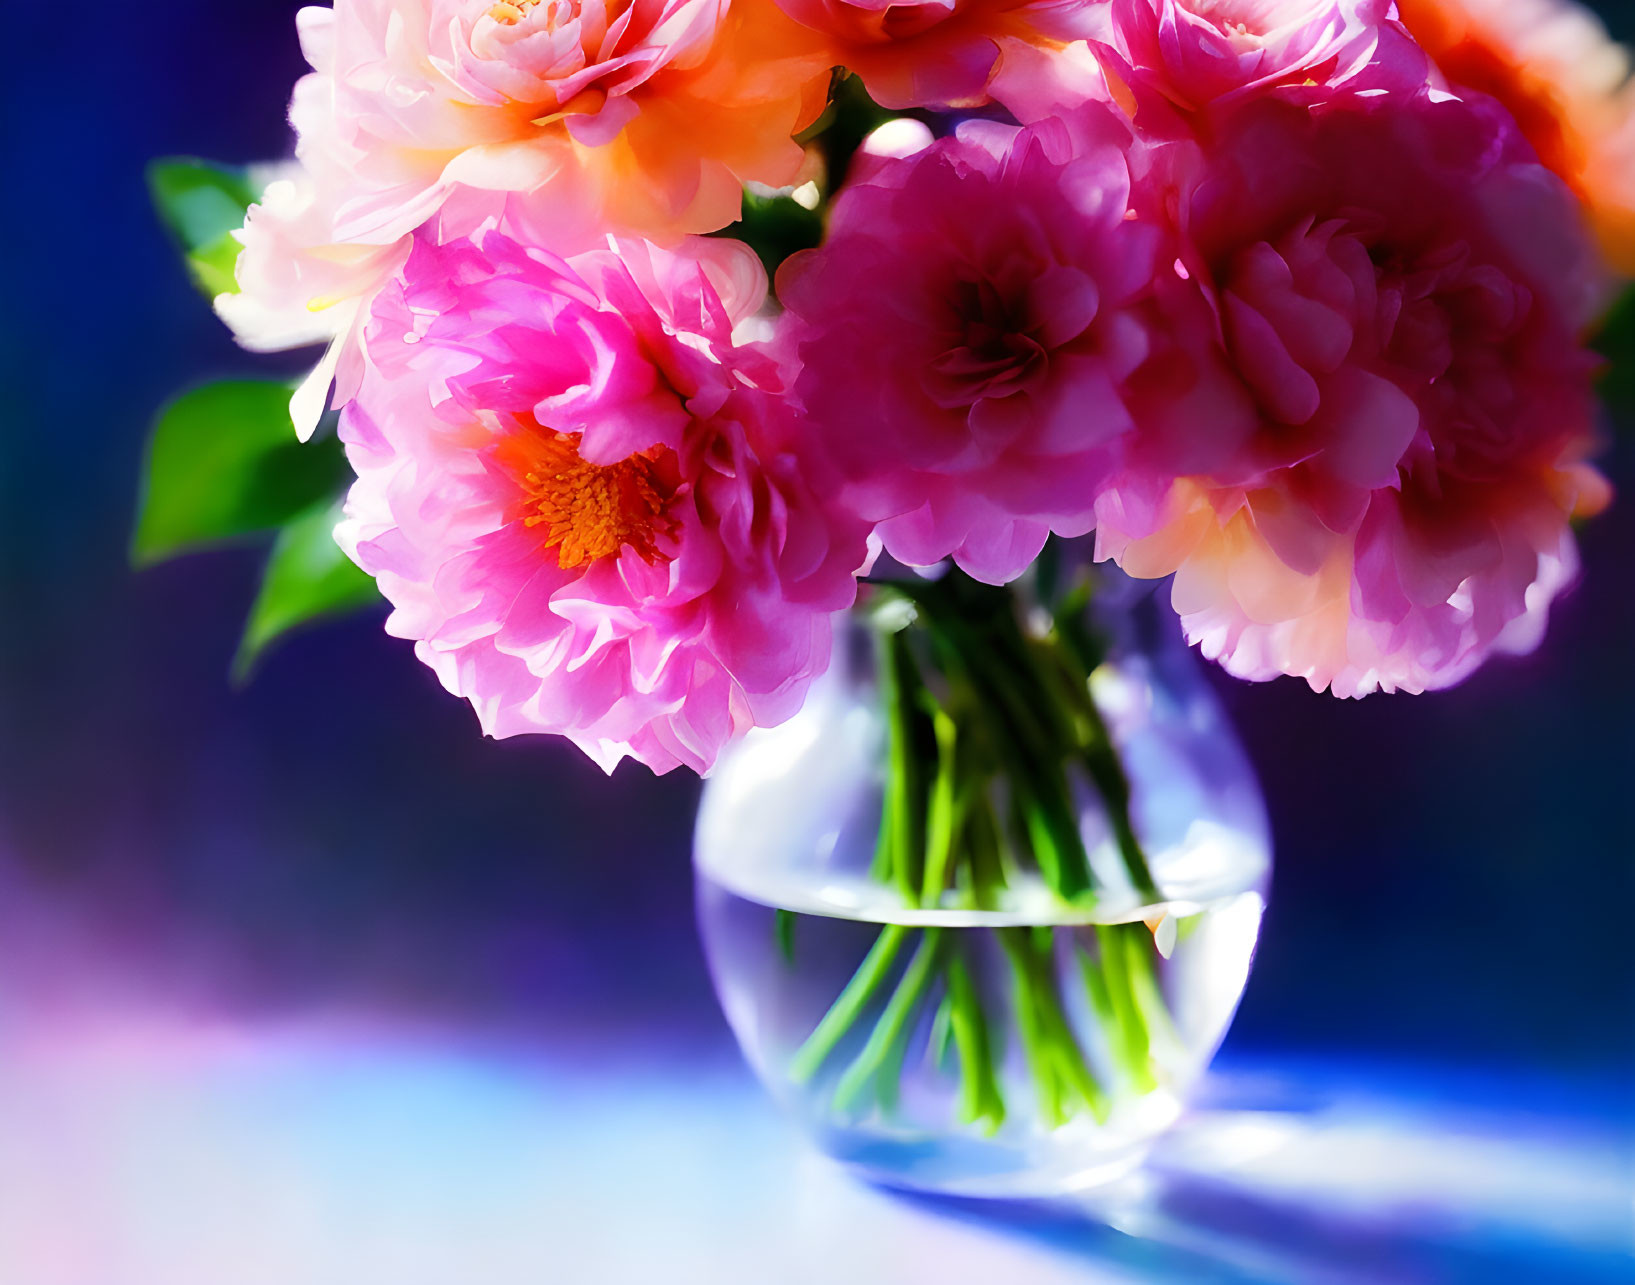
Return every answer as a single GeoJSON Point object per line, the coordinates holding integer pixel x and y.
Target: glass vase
{"type": "Point", "coordinates": [981, 913]}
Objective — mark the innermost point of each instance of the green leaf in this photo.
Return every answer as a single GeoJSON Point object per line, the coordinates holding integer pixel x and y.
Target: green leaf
{"type": "Point", "coordinates": [1616, 342]}
{"type": "Point", "coordinates": [214, 268]}
{"type": "Point", "coordinates": [775, 227]}
{"type": "Point", "coordinates": [851, 117]}
{"type": "Point", "coordinates": [307, 578]}
{"type": "Point", "coordinates": [223, 462]}
{"type": "Point", "coordinates": [203, 204]}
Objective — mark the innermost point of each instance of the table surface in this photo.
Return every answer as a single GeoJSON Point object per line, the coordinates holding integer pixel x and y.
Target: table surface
{"type": "Point", "coordinates": [143, 1146]}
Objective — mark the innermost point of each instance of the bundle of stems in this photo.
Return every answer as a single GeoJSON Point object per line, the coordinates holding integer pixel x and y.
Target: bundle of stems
{"type": "Point", "coordinates": [993, 740]}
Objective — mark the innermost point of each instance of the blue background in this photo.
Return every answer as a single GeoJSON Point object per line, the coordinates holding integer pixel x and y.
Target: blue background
{"type": "Point", "coordinates": [1455, 876]}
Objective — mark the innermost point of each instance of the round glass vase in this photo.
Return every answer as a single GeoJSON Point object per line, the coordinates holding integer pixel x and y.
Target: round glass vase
{"type": "Point", "coordinates": [951, 992]}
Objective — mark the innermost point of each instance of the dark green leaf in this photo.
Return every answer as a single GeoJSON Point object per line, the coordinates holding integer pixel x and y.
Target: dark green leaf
{"type": "Point", "coordinates": [775, 227]}
{"type": "Point", "coordinates": [307, 578]}
{"type": "Point", "coordinates": [202, 204]}
{"type": "Point", "coordinates": [223, 462]}
{"type": "Point", "coordinates": [852, 116]}
{"type": "Point", "coordinates": [1616, 342]}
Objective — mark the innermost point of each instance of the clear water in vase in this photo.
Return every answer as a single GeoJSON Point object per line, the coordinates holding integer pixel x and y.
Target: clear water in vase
{"type": "Point", "coordinates": [904, 1111]}
{"type": "Point", "coordinates": [1017, 1045]}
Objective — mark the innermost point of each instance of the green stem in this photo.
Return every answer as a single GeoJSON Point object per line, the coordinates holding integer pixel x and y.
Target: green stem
{"type": "Point", "coordinates": [1029, 746]}
{"type": "Point", "coordinates": [844, 1012]}
{"type": "Point", "coordinates": [1140, 964]}
{"type": "Point", "coordinates": [1107, 772]}
{"type": "Point", "coordinates": [1007, 719]}
{"type": "Point", "coordinates": [1034, 1046]}
{"type": "Point", "coordinates": [945, 811]}
{"type": "Point", "coordinates": [1070, 651]}
{"type": "Point", "coordinates": [1128, 1032]}
{"type": "Point", "coordinates": [980, 1097]}
{"type": "Point", "coordinates": [984, 855]}
{"type": "Point", "coordinates": [883, 1053]}
{"type": "Point", "coordinates": [942, 1032]}
{"type": "Point", "coordinates": [1070, 1053]}
{"type": "Point", "coordinates": [1095, 986]}
{"type": "Point", "coordinates": [1060, 1070]}
{"type": "Point", "coordinates": [784, 927]}
{"type": "Point", "coordinates": [901, 688]}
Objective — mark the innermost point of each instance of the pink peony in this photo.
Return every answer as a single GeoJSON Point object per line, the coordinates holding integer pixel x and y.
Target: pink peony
{"type": "Point", "coordinates": [1382, 497]}
{"type": "Point", "coordinates": [585, 503]}
{"type": "Point", "coordinates": [1170, 58]}
{"type": "Point", "coordinates": [967, 335]}
{"type": "Point", "coordinates": [565, 119]}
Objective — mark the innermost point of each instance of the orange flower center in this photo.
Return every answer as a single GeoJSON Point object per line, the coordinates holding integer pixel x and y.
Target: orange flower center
{"type": "Point", "coordinates": [592, 511]}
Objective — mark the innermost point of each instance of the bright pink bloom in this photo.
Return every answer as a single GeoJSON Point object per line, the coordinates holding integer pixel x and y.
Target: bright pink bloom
{"type": "Point", "coordinates": [584, 502]}
{"type": "Point", "coordinates": [1170, 58]}
{"type": "Point", "coordinates": [1383, 498]}
{"type": "Point", "coordinates": [967, 334]}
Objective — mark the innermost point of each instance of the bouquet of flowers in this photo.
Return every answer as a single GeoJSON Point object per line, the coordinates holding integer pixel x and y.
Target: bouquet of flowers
{"type": "Point", "coordinates": [657, 334]}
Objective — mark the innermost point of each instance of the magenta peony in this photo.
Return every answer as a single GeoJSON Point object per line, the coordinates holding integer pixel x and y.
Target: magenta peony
{"type": "Point", "coordinates": [967, 334]}
{"type": "Point", "coordinates": [584, 501]}
{"type": "Point", "coordinates": [1381, 498]}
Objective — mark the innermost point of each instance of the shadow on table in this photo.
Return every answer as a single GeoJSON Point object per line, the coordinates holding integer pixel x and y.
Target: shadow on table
{"type": "Point", "coordinates": [1298, 1179]}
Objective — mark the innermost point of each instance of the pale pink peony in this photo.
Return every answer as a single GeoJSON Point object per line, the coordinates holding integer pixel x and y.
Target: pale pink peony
{"type": "Point", "coordinates": [561, 119]}
{"type": "Point", "coordinates": [585, 503]}
{"type": "Point", "coordinates": [967, 335]}
{"type": "Point", "coordinates": [1383, 498]}
{"type": "Point", "coordinates": [291, 297]}
{"type": "Point", "coordinates": [1168, 59]}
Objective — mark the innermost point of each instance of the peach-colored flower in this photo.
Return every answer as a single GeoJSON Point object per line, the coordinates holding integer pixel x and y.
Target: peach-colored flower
{"type": "Point", "coordinates": [663, 108]}
{"type": "Point", "coordinates": [557, 120]}
{"type": "Point", "coordinates": [1568, 85]}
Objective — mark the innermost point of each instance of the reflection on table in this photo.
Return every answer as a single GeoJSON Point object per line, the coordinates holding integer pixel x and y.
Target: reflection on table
{"type": "Point", "coordinates": [147, 1148]}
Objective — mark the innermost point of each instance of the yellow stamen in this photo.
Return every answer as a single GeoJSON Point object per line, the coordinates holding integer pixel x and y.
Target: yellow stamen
{"type": "Point", "coordinates": [592, 511]}
{"type": "Point", "coordinates": [511, 12]}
